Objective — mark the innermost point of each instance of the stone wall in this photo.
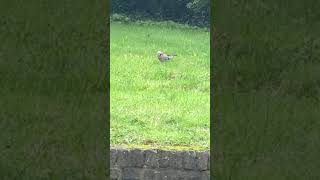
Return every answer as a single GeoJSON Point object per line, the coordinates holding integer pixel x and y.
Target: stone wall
{"type": "Point", "coordinates": [137, 164]}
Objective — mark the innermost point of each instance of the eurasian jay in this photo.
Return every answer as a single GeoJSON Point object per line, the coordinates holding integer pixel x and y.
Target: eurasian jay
{"type": "Point", "coordinates": [164, 57]}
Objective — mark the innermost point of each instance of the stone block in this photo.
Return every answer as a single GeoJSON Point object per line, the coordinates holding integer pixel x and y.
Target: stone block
{"type": "Point", "coordinates": [115, 174]}
{"type": "Point", "coordinates": [113, 156]}
{"type": "Point", "coordinates": [190, 160]}
{"type": "Point", "coordinates": [192, 175]}
{"type": "Point", "coordinates": [195, 161]}
{"type": "Point", "coordinates": [203, 159]}
{"type": "Point", "coordinates": [151, 159]}
{"type": "Point", "coordinates": [126, 158]}
{"type": "Point", "coordinates": [176, 160]}
{"type": "Point", "coordinates": [122, 158]}
{"type": "Point", "coordinates": [151, 174]}
{"type": "Point", "coordinates": [163, 159]}
{"type": "Point", "coordinates": [170, 174]}
{"type": "Point", "coordinates": [136, 158]}
{"type": "Point", "coordinates": [132, 173]}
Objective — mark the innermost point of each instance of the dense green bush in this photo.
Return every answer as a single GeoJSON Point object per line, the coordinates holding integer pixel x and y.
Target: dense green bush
{"type": "Point", "coordinates": [192, 12]}
{"type": "Point", "coordinates": [119, 17]}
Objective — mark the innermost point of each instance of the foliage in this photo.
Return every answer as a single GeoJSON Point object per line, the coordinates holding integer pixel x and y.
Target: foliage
{"type": "Point", "coordinates": [195, 12]}
{"type": "Point", "coordinates": [121, 18]}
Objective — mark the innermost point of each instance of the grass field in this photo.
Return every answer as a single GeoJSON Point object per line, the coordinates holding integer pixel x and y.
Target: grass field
{"type": "Point", "coordinates": [159, 104]}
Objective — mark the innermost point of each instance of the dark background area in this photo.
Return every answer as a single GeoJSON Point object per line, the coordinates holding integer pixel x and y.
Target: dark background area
{"type": "Point", "coordinates": [266, 82]}
{"type": "Point", "coordinates": [191, 12]}
{"type": "Point", "coordinates": [53, 90]}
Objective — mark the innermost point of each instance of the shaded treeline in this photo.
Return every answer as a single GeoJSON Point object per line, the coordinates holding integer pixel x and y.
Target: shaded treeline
{"type": "Point", "coordinates": [191, 12]}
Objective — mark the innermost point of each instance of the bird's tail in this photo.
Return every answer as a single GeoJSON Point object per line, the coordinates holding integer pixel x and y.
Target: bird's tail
{"type": "Point", "coordinates": [170, 57]}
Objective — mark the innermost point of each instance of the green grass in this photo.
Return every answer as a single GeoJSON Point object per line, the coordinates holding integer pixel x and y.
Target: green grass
{"type": "Point", "coordinates": [155, 103]}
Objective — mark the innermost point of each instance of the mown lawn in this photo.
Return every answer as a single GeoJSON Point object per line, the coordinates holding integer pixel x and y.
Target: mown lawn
{"type": "Point", "coordinates": [159, 104]}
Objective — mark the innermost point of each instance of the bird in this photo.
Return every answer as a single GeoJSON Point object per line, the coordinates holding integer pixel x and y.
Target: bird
{"type": "Point", "coordinates": [164, 57]}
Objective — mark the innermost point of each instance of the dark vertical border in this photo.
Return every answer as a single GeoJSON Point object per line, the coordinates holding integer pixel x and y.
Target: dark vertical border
{"type": "Point", "coordinates": [212, 3]}
{"type": "Point", "coordinates": [54, 89]}
{"type": "Point", "coordinates": [257, 132]}
{"type": "Point", "coordinates": [108, 88]}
